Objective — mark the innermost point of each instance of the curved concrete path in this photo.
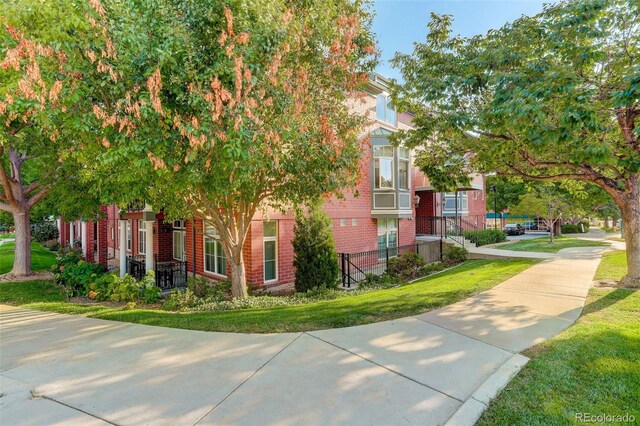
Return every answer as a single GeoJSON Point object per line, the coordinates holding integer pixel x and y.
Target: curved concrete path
{"type": "Point", "coordinates": [440, 367]}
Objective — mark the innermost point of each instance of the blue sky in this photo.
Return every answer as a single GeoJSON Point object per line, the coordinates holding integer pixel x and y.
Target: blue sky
{"type": "Point", "coordinates": [398, 23]}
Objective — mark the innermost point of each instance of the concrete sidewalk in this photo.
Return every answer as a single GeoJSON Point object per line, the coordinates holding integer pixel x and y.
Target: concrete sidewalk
{"type": "Point", "coordinates": [442, 366]}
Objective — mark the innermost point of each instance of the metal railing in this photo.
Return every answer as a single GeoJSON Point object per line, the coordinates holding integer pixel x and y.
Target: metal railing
{"type": "Point", "coordinates": [447, 226]}
{"type": "Point", "coordinates": [354, 267]}
{"type": "Point", "coordinates": [169, 274]}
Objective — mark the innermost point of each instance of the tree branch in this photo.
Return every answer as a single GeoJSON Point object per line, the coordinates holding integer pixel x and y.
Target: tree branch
{"type": "Point", "coordinates": [5, 207]}
{"type": "Point", "coordinates": [39, 196]}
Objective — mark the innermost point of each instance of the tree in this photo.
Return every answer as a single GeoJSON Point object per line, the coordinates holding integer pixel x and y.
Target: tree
{"type": "Point", "coordinates": [547, 202]}
{"type": "Point", "coordinates": [43, 108]}
{"type": "Point", "coordinates": [314, 252]}
{"type": "Point", "coordinates": [234, 107]}
{"type": "Point", "coordinates": [550, 97]}
{"type": "Point", "coordinates": [508, 192]}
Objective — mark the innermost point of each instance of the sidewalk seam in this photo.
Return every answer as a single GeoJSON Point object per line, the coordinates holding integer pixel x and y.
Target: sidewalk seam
{"type": "Point", "coordinates": [247, 379]}
{"type": "Point", "coordinates": [386, 368]}
{"type": "Point", "coordinates": [73, 408]}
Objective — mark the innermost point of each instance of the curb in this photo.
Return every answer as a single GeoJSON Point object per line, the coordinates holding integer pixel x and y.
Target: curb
{"type": "Point", "coordinates": [471, 410]}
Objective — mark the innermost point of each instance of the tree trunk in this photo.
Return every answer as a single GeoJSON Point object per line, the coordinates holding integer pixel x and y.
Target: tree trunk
{"type": "Point", "coordinates": [238, 277]}
{"type": "Point", "coordinates": [22, 259]}
{"type": "Point", "coordinates": [631, 225]}
{"type": "Point", "coordinates": [606, 222]}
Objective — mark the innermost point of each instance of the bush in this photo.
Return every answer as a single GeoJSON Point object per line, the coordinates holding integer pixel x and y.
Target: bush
{"type": "Point", "coordinates": [71, 271]}
{"type": "Point", "coordinates": [127, 289]}
{"type": "Point", "coordinates": [203, 287]}
{"type": "Point", "coordinates": [454, 255]}
{"type": "Point", "coordinates": [52, 245]}
{"type": "Point", "coordinates": [373, 281]}
{"type": "Point", "coordinates": [569, 229]}
{"type": "Point", "coordinates": [315, 258]}
{"type": "Point", "coordinates": [429, 269]}
{"type": "Point", "coordinates": [405, 266]}
{"type": "Point", "coordinates": [44, 231]}
{"type": "Point", "coordinates": [482, 238]}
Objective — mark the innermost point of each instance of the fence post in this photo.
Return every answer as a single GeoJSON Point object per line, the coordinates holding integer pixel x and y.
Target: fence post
{"type": "Point", "coordinates": [348, 271]}
{"type": "Point", "coordinates": [387, 251]}
{"type": "Point", "coordinates": [342, 269]}
{"type": "Point", "coordinates": [440, 249]}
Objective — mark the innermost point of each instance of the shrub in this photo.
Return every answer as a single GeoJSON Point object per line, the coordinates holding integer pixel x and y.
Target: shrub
{"type": "Point", "coordinates": [98, 287]}
{"type": "Point", "coordinates": [44, 231]}
{"type": "Point", "coordinates": [429, 269]}
{"type": "Point", "coordinates": [315, 258]}
{"type": "Point", "coordinates": [203, 287]}
{"type": "Point", "coordinates": [569, 229]}
{"type": "Point", "coordinates": [373, 281]}
{"type": "Point", "coordinates": [454, 255]}
{"type": "Point", "coordinates": [405, 266]}
{"type": "Point", "coordinates": [482, 238]}
{"type": "Point", "coordinates": [52, 245]}
{"type": "Point", "coordinates": [71, 271]}
{"type": "Point", "coordinates": [127, 289]}
{"type": "Point", "coordinates": [180, 300]}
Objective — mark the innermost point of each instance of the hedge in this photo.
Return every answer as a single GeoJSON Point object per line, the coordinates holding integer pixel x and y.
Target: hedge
{"type": "Point", "coordinates": [482, 238]}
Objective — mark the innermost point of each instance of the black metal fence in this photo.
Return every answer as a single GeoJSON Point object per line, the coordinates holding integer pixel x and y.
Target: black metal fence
{"type": "Point", "coordinates": [448, 226]}
{"type": "Point", "coordinates": [169, 274]}
{"type": "Point", "coordinates": [354, 267]}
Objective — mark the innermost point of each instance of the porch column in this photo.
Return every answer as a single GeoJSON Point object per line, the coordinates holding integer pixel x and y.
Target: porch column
{"type": "Point", "coordinates": [59, 226]}
{"type": "Point", "coordinates": [83, 237]}
{"type": "Point", "coordinates": [148, 257]}
{"type": "Point", "coordinates": [72, 233]}
{"type": "Point", "coordinates": [123, 246]}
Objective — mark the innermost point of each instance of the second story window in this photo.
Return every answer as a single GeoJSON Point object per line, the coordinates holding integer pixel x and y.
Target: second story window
{"type": "Point", "coordinates": [403, 168]}
{"type": "Point", "coordinates": [383, 165]}
{"type": "Point", "coordinates": [384, 111]}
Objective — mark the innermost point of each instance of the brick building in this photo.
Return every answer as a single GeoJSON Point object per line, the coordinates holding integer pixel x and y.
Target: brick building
{"type": "Point", "coordinates": [394, 200]}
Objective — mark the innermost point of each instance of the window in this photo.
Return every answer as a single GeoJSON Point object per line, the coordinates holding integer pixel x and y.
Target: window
{"type": "Point", "coordinates": [384, 111]}
{"type": "Point", "coordinates": [129, 235]}
{"type": "Point", "coordinates": [142, 237]}
{"type": "Point", "coordinates": [354, 222]}
{"type": "Point", "coordinates": [383, 164]}
{"type": "Point", "coordinates": [179, 237]}
{"type": "Point", "coordinates": [343, 222]}
{"type": "Point", "coordinates": [449, 201]}
{"type": "Point", "coordinates": [214, 260]}
{"type": "Point", "coordinates": [270, 250]}
{"type": "Point", "coordinates": [403, 168]}
{"type": "Point", "coordinates": [113, 233]}
{"type": "Point", "coordinates": [387, 235]}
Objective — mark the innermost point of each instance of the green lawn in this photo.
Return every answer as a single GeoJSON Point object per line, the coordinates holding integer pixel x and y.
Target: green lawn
{"type": "Point", "coordinates": [432, 292]}
{"type": "Point", "coordinates": [613, 266]}
{"type": "Point", "coordinates": [592, 367]}
{"type": "Point", "coordinates": [542, 244]}
{"type": "Point", "coordinates": [6, 236]}
{"type": "Point", "coordinates": [41, 258]}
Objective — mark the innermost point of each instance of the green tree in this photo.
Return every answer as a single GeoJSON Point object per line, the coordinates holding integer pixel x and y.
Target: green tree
{"type": "Point", "coordinates": [508, 192]}
{"type": "Point", "coordinates": [314, 252]}
{"type": "Point", "coordinates": [234, 107]}
{"type": "Point", "coordinates": [550, 97]}
{"type": "Point", "coordinates": [547, 202]}
{"type": "Point", "coordinates": [44, 108]}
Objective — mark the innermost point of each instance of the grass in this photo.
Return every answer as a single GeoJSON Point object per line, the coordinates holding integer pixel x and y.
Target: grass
{"type": "Point", "coordinates": [6, 236]}
{"type": "Point", "coordinates": [432, 292]}
{"type": "Point", "coordinates": [41, 258]}
{"type": "Point", "coordinates": [613, 266]}
{"type": "Point", "coordinates": [592, 367]}
{"type": "Point", "coordinates": [542, 244]}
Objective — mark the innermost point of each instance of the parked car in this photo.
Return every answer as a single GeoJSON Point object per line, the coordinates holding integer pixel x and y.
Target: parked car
{"type": "Point", "coordinates": [513, 229]}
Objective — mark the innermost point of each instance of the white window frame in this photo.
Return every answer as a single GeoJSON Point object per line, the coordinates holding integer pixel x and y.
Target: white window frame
{"type": "Point", "coordinates": [407, 160]}
{"type": "Point", "coordinates": [142, 237]}
{"type": "Point", "coordinates": [210, 233]}
{"type": "Point", "coordinates": [462, 202]}
{"type": "Point", "coordinates": [385, 112]}
{"type": "Point", "coordinates": [129, 236]}
{"type": "Point", "coordinates": [378, 156]}
{"type": "Point", "coordinates": [265, 240]}
{"type": "Point", "coordinates": [179, 228]}
{"type": "Point", "coordinates": [386, 231]}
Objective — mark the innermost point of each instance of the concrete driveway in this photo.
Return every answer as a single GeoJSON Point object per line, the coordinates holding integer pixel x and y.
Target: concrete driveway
{"type": "Point", "coordinates": [442, 366]}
